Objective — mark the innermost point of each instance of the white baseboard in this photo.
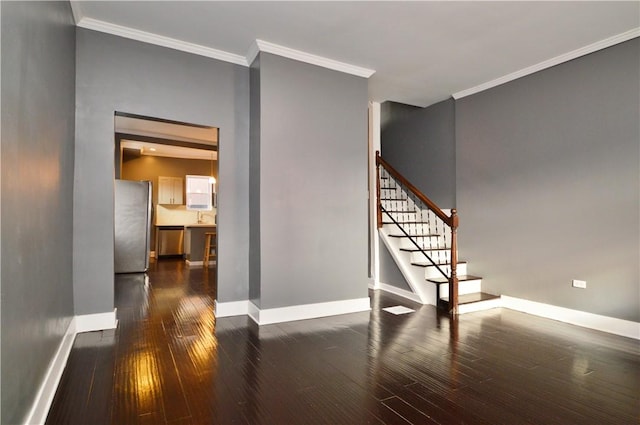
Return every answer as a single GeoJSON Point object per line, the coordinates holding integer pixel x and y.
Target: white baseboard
{"type": "Point", "coordinates": [46, 392]}
{"type": "Point", "coordinates": [232, 308]}
{"type": "Point", "coordinates": [374, 283]}
{"type": "Point", "coordinates": [598, 322]}
{"type": "Point", "coordinates": [400, 292]}
{"type": "Point", "coordinates": [96, 322]}
{"type": "Point", "coordinates": [254, 312]}
{"type": "Point", "coordinates": [44, 397]}
{"type": "Point", "coordinates": [308, 311]}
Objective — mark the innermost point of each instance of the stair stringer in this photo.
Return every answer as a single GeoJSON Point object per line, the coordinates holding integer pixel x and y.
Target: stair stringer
{"type": "Point", "coordinates": [413, 275]}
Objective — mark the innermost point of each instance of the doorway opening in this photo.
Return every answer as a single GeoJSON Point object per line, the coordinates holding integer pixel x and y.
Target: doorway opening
{"type": "Point", "coordinates": [164, 152]}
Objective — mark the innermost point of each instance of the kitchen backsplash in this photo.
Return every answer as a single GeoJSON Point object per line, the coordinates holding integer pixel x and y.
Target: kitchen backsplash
{"type": "Point", "coordinates": [179, 215]}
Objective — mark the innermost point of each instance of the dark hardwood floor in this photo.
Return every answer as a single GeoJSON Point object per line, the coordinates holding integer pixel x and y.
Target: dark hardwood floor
{"type": "Point", "coordinates": [171, 362]}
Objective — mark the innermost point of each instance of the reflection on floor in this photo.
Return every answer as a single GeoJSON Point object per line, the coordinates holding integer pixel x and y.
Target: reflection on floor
{"type": "Point", "coordinates": [171, 362]}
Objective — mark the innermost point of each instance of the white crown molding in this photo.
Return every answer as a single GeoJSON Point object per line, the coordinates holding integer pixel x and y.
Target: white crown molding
{"type": "Point", "coordinates": [602, 44]}
{"type": "Point", "coordinates": [76, 10]}
{"type": "Point", "coordinates": [159, 40]}
{"type": "Point", "coordinates": [253, 52]}
{"type": "Point", "coordinates": [197, 49]}
{"type": "Point", "coordinates": [265, 46]}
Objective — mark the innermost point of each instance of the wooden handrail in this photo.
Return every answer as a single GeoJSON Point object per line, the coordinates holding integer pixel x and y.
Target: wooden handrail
{"type": "Point", "coordinates": [399, 177]}
{"type": "Point", "coordinates": [379, 215]}
{"type": "Point", "coordinates": [451, 221]}
{"type": "Point", "coordinates": [453, 279]}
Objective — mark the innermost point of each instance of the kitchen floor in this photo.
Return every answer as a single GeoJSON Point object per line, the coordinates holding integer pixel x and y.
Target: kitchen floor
{"type": "Point", "coordinates": [171, 362]}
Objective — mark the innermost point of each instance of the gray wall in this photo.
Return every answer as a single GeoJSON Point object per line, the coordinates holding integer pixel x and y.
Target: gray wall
{"type": "Point", "coordinates": [391, 112]}
{"type": "Point", "coordinates": [254, 184]}
{"type": "Point", "coordinates": [390, 274]}
{"type": "Point", "coordinates": [117, 74]}
{"type": "Point", "coordinates": [420, 144]}
{"type": "Point", "coordinates": [548, 184]}
{"type": "Point", "coordinates": [38, 67]}
{"type": "Point", "coordinates": [313, 184]}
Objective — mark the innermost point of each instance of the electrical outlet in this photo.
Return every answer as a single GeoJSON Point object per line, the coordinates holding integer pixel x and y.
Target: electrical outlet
{"type": "Point", "coordinates": [579, 283]}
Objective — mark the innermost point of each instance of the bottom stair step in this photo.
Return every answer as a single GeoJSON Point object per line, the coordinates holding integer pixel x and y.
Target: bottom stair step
{"type": "Point", "coordinates": [476, 301]}
{"type": "Point", "coordinates": [460, 278]}
{"type": "Point", "coordinates": [473, 298]}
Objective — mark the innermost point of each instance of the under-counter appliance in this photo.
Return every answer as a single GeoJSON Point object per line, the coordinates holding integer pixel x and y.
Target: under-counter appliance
{"type": "Point", "coordinates": [132, 226]}
{"type": "Point", "coordinates": [170, 240]}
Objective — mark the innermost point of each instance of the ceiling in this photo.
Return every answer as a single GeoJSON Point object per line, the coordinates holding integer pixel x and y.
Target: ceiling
{"type": "Point", "coordinates": [421, 52]}
{"type": "Point", "coordinates": [154, 127]}
{"type": "Point", "coordinates": [170, 151]}
{"type": "Point", "coordinates": [156, 137]}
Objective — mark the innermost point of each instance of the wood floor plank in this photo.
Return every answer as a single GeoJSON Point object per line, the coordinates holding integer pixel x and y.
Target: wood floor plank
{"type": "Point", "coordinates": [408, 412]}
{"type": "Point", "coordinates": [170, 361]}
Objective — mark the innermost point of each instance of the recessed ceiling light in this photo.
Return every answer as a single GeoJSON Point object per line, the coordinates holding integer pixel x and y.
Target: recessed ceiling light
{"type": "Point", "coordinates": [152, 149]}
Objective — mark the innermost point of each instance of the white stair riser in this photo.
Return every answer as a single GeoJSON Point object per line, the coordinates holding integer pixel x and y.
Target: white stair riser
{"type": "Point", "coordinates": [425, 242]}
{"type": "Point", "coordinates": [464, 287]}
{"type": "Point", "coordinates": [401, 198]}
{"type": "Point", "coordinates": [401, 217]}
{"type": "Point", "coordinates": [398, 235]}
{"type": "Point", "coordinates": [391, 193]}
{"type": "Point", "coordinates": [431, 272]}
{"type": "Point", "coordinates": [431, 216]}
{"type": "Point", "coordinates": [418, 228]}
{"type": "Point", "coordinates": [410, 230]}
{"type": "Point", "coordinates": [397, 199]}
{"type": "Point", "coordinates": [439, 256]}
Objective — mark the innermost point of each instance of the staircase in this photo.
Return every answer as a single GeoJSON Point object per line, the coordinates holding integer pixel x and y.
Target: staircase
{"type": "Point", "coordinates": [421, 238]}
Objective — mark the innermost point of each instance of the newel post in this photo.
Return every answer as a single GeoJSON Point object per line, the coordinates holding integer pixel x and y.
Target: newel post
{"type": "Point", "coordinates": [453, 280]}
{"type": "Point", "coordinates": [379, 210]}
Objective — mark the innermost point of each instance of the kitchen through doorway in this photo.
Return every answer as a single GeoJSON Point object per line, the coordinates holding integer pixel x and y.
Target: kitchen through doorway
{"type": "Point", "coordinates": [171, 155]}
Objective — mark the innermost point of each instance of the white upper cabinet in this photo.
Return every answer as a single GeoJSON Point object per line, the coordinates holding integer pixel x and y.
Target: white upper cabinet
{"type": "Point", "coordinates": [170, 190]}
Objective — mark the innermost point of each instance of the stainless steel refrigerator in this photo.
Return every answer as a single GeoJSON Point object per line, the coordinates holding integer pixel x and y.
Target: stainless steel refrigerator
{"type": "Point", "coordinates": [132, 226]}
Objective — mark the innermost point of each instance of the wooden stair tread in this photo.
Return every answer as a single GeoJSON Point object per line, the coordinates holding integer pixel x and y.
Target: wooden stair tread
{"type": "Point", "coordinates": [414, 236]}
{"type": "Point", "coordinates": [473, 298]}
{"type": "Point", "coordinates": [428, 264]}
{"type": "Point", "coordinates": [424, 249]}
{"type": "Point", "coordinates": [400, 212]}
{"type": "Point", "coordinates": [406, 222]}
{"type": "Point", "coordinates": [461, 278]}
{"type": "Point", "coordinates": [393, 199]}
